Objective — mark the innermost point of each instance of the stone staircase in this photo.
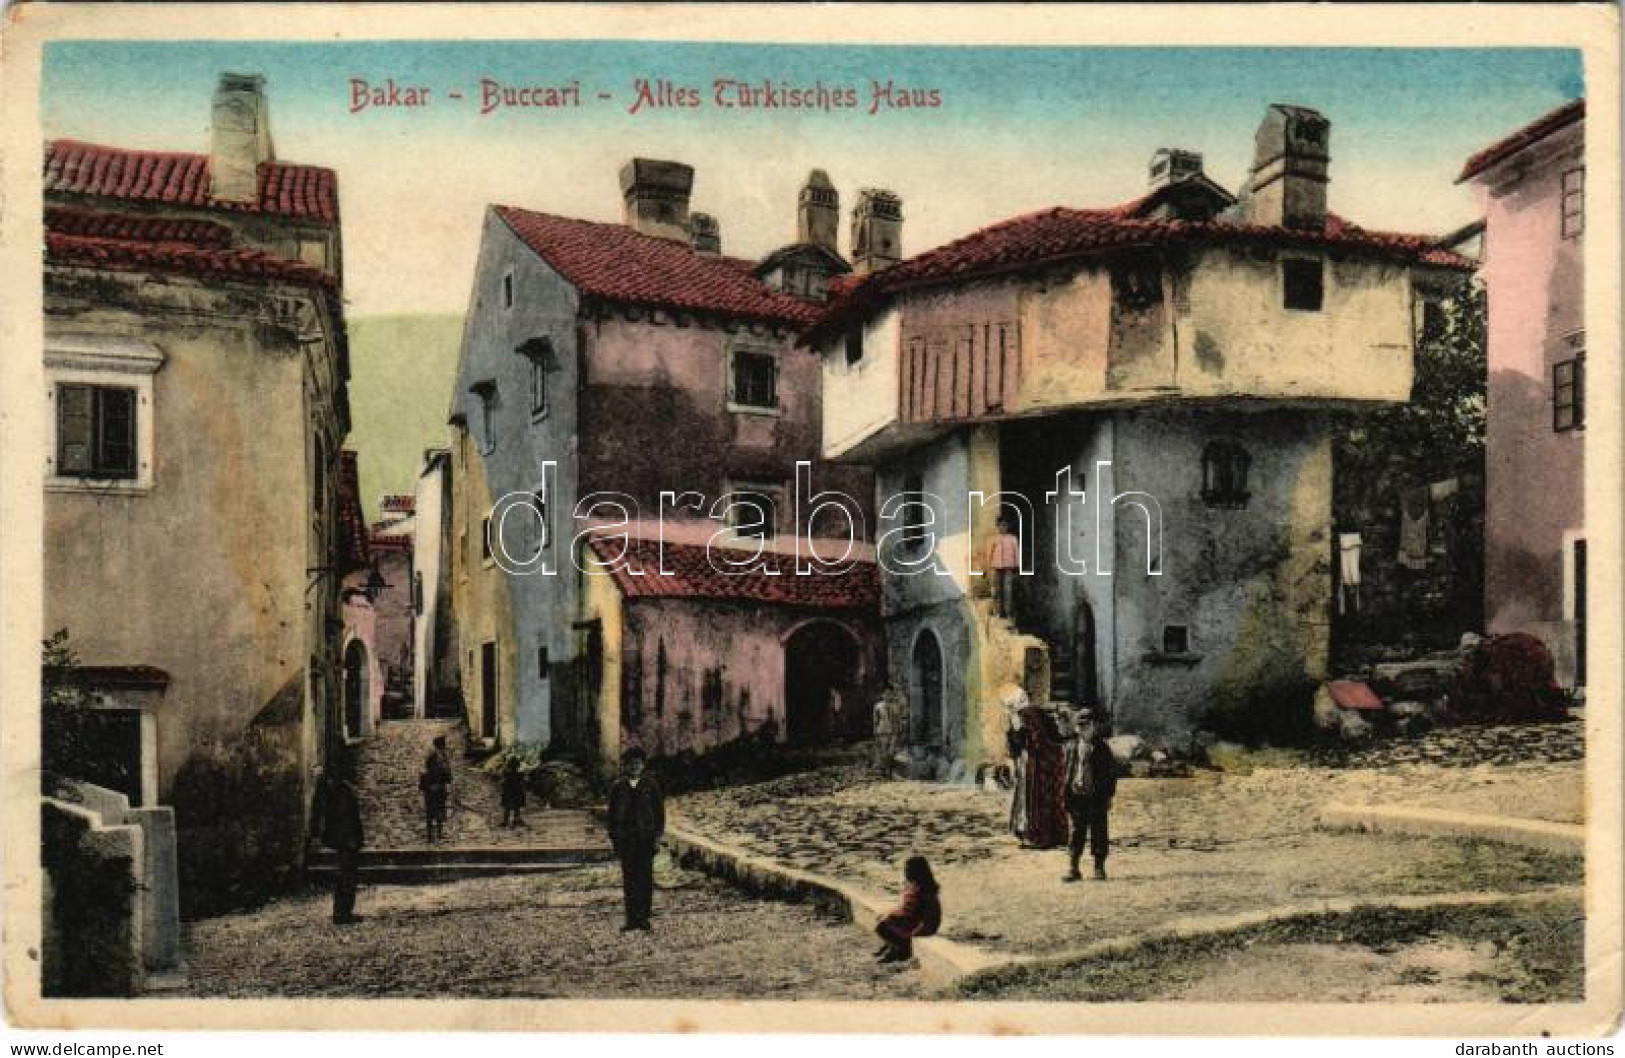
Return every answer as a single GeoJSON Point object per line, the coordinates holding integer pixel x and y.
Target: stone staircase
{"type": "Point", "coordinates": [476, 844]}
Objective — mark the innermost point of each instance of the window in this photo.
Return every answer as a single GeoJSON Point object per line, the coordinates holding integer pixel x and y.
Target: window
{"type": "Point", "coordinates": [96, 431]}
{"type": "Point", "coordinates": [753, 381]}
{"type": "Point", "coordinates": [1224, 475]}
{"type": "Point", "coordinates": [417, 592]}
{"type": "Point", "coordinates": [1176, 639]}
{"type": "Point", "coordinates": [1137, 284]}
{"type": "Point", "coordinates": [507, 290]}
{"type": "Point", "coordinates": [485, 541]}
{"type": "Point", "coordinates": [752, 509]}
{"type": "Point", "coordinates": [914, 535]}
{"type": "Point", "coordinates": [543, 670]}
{"type": "Point", "coordinates": [1574, 206]}
{"type": "Point", "coordinates": [539, 351]}
{"type": "Point", "coordinates": [1568, 394]}
{"type": "Point", "coordinates": [544, 535]}
{"type": "Point", "coordinates": [1301, 284]}
{"type": "Point", "coordinates": [854, 345]}
{"type": "Point", "coordinates": [486, 391]}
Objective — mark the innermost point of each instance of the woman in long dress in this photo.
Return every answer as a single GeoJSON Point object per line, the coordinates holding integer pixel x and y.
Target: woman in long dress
{"type": "Point", "coordinates": [1038, 802]}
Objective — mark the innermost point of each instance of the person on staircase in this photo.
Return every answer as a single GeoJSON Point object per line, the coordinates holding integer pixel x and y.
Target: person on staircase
{"type": "Point", "coordinates": [435, 782]}
{"type": "Point", "coordinates": [335, 820]}
{"type": "Point", "coordinates": [1004, 559]}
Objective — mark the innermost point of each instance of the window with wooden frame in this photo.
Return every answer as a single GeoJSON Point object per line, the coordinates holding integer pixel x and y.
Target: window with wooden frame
{"type": "Point", "coordinates": [753, 380]}
{"type": "Point", "coordinates": [1568, 394]}
{"type": "Point", "coordinates": [543, 362]}
{"type": "Point", "coordinates": [1573, 202]}
{"type": "Point", "coordinates": [95, 431]}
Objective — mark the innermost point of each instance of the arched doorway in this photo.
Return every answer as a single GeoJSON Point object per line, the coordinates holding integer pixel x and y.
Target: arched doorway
{"type": "Point", "coordinates": [355, 687]}
{"type": "Point", "coordinates": [820, 683]}
{"type": "Point", "coordinates": [1085, 673]}
{"type": "Point", "coordinates": [925, 718]}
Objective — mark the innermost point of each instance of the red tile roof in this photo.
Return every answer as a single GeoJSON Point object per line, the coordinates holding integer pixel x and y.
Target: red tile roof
{"type": "Point", "coordinates": [1530, 134]}
{"type": "Point", "coordinates": [613, 262]}
{"type": "Point", "coordinates": [696, 576]}
{"type": "Point", "coordinates": [65, 220]}
{"type": "Point", "coordinates": [353, 536]}
{"type": "Point", "coordinates": [1061, 233]}
{"type": "Point", "coordinates": [305, 192]}
{"type": "Point", "coordinates": [96, 239]}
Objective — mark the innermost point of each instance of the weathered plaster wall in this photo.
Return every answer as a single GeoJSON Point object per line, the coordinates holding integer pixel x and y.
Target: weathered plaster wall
{"type": "Point", "coordinates": [1252, 585]}
{"type": "Point", "coordinates": [861, 399]}
{"type": "Point", "coordinates": [480, 596]}
{"type": "Point", "coordinates": [540, 607]}
{"type": "Point", "coordinates": [1534, 475]}
{"type": "Point", "coordinates": [393, 609]}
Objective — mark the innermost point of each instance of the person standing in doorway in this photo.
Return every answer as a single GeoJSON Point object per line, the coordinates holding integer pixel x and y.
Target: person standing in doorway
{"type": "Point", "coordinates": [435, 782]}
{"type": "Point", "coordinates": [1004, 560]}
{"type": "Point", "coordinates": [1091, 783]}
{"type": "Point", "coordinates": [336, 822]}
{"type": "Point", "coordinates": [637, 818]}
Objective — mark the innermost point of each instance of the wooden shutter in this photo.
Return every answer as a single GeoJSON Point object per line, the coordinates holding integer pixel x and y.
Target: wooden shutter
{"type": "Point", "coordinates": [75, 429]}
{"type": "Point", "coordinates": [116, 426]}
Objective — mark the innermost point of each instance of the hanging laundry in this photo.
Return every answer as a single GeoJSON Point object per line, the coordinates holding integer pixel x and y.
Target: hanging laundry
{"type": "Point", "coordinates": [1413, 527]}
{"type": "Point", "coordinates": [1348, 567]}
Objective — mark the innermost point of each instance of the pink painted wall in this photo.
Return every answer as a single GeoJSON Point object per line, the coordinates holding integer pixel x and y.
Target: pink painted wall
{"type": "Point", "coordinates": [1534, 494]}
{"type": "Point", "coordinates": [360, 623]}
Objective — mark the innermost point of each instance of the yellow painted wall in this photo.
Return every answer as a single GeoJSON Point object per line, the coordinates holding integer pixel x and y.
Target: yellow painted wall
{"type": "Point", "coordinates": [481, 605]}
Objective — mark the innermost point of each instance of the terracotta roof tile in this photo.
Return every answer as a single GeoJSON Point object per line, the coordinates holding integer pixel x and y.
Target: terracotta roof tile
{"type": "Point", "coordinates": [96, 239]}
{"type": "Point", "coordinates": [1061, 233]}
{"type": "Point", "coordinates": [1530, 134]}
{"type": "Point", "coordinates": [353, 536]}
{"type": "Point", "coordinates": [695, 576]}
{"type": "Point", "coordinates": [305, 192]}
{"type": "Point", "coordinates": [613, 262]}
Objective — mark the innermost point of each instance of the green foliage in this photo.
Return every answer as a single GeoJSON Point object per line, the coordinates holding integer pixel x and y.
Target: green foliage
{"type": "Point", "coordinates": [1440, 431]}
{"type": "Point", "coordinates": [67, 713]}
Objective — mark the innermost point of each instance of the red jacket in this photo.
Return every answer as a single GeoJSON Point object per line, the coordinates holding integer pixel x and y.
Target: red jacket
{"type": "Point", "coordinates": [920, 914]}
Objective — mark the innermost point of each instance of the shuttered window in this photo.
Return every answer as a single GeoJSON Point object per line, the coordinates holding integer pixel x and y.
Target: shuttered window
{"type": "Point", "coordinates": [95, 431]}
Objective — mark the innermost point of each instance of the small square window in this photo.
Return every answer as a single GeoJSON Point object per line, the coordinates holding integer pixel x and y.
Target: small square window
{"type": "Point", "coordinates": [1137, 284]}
{"type": "Point", "coordinates": [1176, 639]}
{"type": "Point", "coordinates": [1302, 285]}
{"type": "Point", "coordinates": [754, 380]}
{"type": "Point", "coordinates": [1225, 465]}
{"type": "Point", "coordinates": [1574, 216]}
{"type": "Point", "coordinates": [1568, 394]}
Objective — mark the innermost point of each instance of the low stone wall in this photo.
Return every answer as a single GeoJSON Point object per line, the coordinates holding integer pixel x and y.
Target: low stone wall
{"type": "Point", "coordinates": [1561, 838]}
{"type": "Point", "coordinates": [112, 899]}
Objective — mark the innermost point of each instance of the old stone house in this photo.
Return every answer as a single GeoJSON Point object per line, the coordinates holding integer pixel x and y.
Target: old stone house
{"type": "Point", "coordinates": [1142, 388]}
{"type": "Point", "coordinates": [604, 366]}
{"type": "Point", "coordinates": [196, 373]}
{"type": "Point", "coordinates": [1532, 188]}
{"type": "Point", "coordinates": [435, 671]}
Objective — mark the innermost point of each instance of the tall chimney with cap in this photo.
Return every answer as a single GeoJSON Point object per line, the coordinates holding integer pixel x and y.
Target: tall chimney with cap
{"type": "Point", "coordinates": [1287, 187]}
{"type": "Point", "coordinates": [707, 233]}
{"type": "Point", "coordinates": [656, 197]}
{"type": "Point", "coordinates": [818, 212]}
{"type": "Point", "coordinates": [877, 231]}
{"type": "Point", "coordinates": [1170, 165]}
{"type": "Point", "coordinates": [239, 137]}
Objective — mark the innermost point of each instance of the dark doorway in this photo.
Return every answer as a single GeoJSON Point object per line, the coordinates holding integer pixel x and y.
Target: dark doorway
{"type": "Point", "coordinates": [1085, 673]}
{"type": "Point", "coordinates": [355, 686]}
{"type": "Point", "coordinates": [926, 718]}
{"type": "Point", "coordinates": [820, 685]}
{"type": "Point", "coordinates": [488, 690]}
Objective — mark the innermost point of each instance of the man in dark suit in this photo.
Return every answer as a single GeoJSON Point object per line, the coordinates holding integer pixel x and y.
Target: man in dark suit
{"type": "Point", "coordinates": [637, 818]}
{"type": "Point", "coordinates": [1091, 783]}
{"type": "Point", "coordinates": [336, 821]}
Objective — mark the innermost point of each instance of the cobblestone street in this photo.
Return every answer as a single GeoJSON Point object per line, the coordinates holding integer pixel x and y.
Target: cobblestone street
{"type": "Point", "coordinates": [1218, 843]}
{"type": "Point", "coordinates": [536, 937]}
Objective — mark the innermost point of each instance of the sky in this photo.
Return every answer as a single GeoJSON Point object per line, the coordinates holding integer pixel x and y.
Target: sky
{"type": "Point", "coordinates": [1016, 129]}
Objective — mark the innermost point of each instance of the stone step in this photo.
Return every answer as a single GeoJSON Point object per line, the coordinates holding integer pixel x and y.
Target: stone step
{"type": "Point", "coordinates": [443, 856]}
{"type": "Point", "coordinates": [428, 874]}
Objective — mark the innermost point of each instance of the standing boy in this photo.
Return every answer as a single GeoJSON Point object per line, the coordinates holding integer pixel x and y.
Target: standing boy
{"type": "Point", "coordinates": [1091, 782]}
{"type": "Point", "coordinates": [637, 818]}
{"type": "Point", "coordinates": [1004, 559]}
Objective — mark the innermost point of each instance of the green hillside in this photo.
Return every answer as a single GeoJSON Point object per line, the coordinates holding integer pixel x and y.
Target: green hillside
{"type": "Point", "coordinates": [401, 373]}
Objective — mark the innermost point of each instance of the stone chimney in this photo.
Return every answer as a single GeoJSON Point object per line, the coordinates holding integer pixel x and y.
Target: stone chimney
{"type": "Point", "coordinates": [656, 196]}
{"type": "Point", "coordinates": [818, 213]}
{"type": "Point", "coordinates": [1288, 182]}
{"type": "Point", "coordinates": [707, 233]}
{"type": "Point", "coordinates": [1170, 165]}
{"type": "Point", "coordinates": [239, 137]}
{"type": "Point", "coordinates": [877, 231]}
